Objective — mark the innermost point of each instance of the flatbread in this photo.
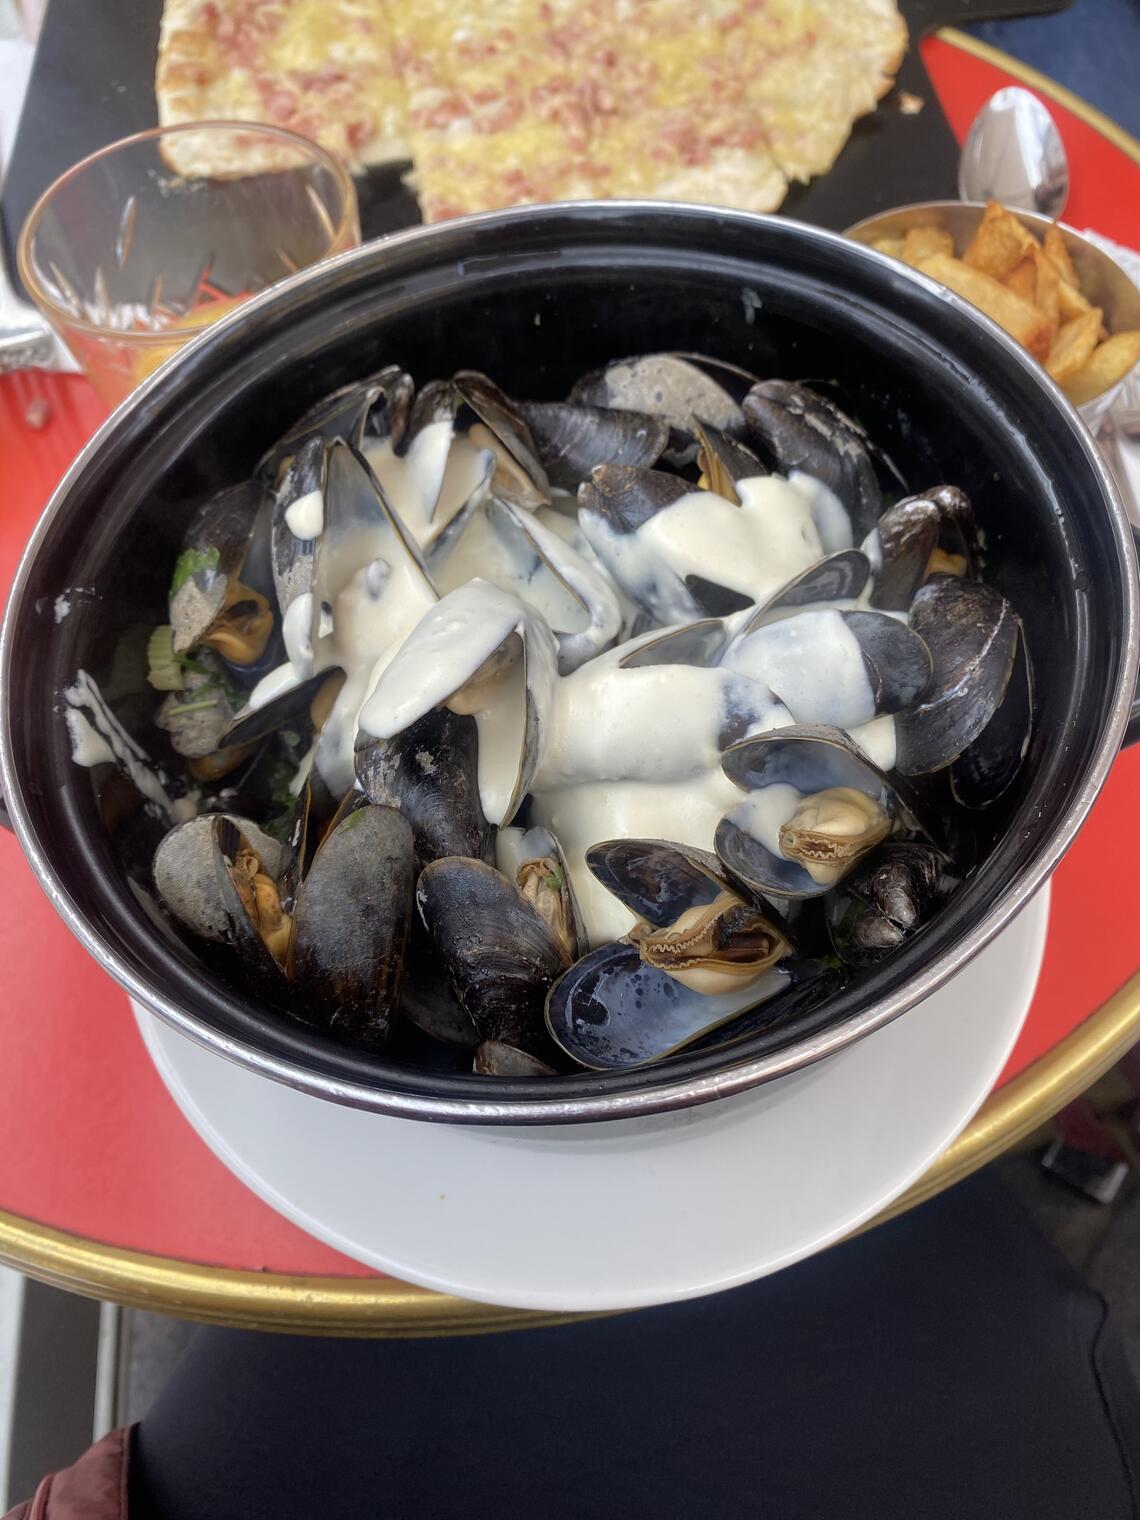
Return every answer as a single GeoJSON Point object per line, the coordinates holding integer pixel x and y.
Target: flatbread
{"type": "Point", "coordinates": [322, 68]}
{"type": "Point", "coordinates": [502, 102]}
{"type": "Point", "coordinates": [541, 100]}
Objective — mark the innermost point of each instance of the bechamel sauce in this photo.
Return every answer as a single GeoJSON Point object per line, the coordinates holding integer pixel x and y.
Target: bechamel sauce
{"type": "Point", "coordinates": [754, 548]}
{"type": "Point", "coordinates": [305, 518]}
{"type": "Point", "coordinates": [813, 663]}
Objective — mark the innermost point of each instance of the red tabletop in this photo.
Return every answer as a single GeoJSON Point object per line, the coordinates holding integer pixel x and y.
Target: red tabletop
{"type": "Point", "coordinates": [90, 1141]}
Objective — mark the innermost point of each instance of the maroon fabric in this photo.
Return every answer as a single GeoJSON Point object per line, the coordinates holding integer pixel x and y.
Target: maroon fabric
{"type": "Point", "coordinates": [94, 1488]}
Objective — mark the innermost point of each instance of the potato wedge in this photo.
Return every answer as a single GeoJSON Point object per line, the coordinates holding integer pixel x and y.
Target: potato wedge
{"type": "Point", "coordinates": [1020, 319]}
{"type": "Point", "coordinates": [1047, 295]}
{"type": "Point", "coordinates": [1058, 254]}
{"type": "Point", "coordinates": [891, 245]}
{"type": "Point", "coordinates": [1106, 365]}
{"type": "Point", "coordinates": [920, 242]}
{"type": "Point", "coordinates": [1073, 345]}
{"type": "Point", "coordinates": [1022, 279]}
{"type": "Point", "coordinates": [1071, 303]}
{"type": "Point", "coordinates": [999, 243]}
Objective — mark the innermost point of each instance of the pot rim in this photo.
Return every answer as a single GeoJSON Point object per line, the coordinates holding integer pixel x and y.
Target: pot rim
{"type": "Point", "coordinates": [684, 1091]}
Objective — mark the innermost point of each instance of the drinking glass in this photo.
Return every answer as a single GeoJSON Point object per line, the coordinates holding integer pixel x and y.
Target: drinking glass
{"type": "Point", "coordinates": [135, 249]}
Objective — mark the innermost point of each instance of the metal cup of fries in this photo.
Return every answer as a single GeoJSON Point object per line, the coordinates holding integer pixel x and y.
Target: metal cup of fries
{"type": "Point", "coordinates": [1062, 297]}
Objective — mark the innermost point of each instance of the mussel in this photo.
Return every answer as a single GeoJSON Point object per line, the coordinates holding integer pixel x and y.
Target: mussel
{"type": "Point", "coordinates": [429, 772]}
{"type": "Point", "coordinates": [815, 807]}
{"type": "Point", "coordinates": [350, 926]}
{"type": "Point", "coordinates": [220, 590]}
{"type": "Point", "coordinates": [884, 900]}
{"type": "Point", "coordinates": [805, 432]}
{"type": "Point", "coordinates": [974, 637]}
{"type": "Point", "coordinates": [186, 870]}
{"type": "Point", "coordinates": [572, 440]}
{"type": "Point", "coordinates": [675, 387]}
{"type": "Point", "coordinates": [700, 955]}
{"type": "Point", "coordinates": [500, 954]}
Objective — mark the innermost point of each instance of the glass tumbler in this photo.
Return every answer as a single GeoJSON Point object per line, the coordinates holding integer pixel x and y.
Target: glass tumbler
{"type": "Point", "coordinates": [143, 243]}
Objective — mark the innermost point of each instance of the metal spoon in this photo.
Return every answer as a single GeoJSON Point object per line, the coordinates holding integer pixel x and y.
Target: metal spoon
{"type": "Point", "coordinates": [1014, 154]}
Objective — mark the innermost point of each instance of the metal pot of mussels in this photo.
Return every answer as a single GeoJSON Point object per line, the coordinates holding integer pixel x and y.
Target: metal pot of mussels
{"type": "Point", "coordinates": [569, 663]}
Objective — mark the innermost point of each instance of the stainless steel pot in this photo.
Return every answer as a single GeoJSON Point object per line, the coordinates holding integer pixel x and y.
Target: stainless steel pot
{"type": "Point", "coordinates": [535, 296]}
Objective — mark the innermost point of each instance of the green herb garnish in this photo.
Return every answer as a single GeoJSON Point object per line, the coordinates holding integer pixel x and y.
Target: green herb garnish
{"type": "Point", "coordinates": [192, 562]}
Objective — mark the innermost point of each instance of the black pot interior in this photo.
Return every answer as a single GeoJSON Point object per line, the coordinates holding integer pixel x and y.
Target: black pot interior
{"type": "Point", "coordinates": [535, 301]}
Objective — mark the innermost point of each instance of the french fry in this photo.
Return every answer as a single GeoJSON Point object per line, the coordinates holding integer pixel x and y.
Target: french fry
{"type": "Point", "coordinates": [920, 242]}
{"type": "Point", "coordinates": [1047, 296]}
{"type": "Point", "coordinates": [1022, 279]}
{"type": "Point", "coordinates": [999, 243]}
{"type": "Point", "coordinates": [1072, 347]}
{"type": "Point", "coordinates": [1020, 319]}
{"type": "Point", "coordinates": [1071, 303]}
{"type": "Point", "coordinates": [1058, 254]}
{"type": "Point", "coordinates": [1105, 366]}
{"type": "Point", "coordinates": [891, 245]}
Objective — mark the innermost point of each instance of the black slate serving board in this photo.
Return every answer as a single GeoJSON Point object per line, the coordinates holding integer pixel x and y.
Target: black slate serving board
{"type": "Point", "coordinates": [92, 82]}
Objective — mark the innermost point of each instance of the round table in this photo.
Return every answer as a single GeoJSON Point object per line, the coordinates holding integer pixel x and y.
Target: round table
{"type": "Point", "coordinates": [106, 1190]}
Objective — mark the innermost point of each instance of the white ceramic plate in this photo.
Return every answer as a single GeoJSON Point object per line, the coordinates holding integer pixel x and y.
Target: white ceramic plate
{"type": "Point", "coordinates": [637, 1212]}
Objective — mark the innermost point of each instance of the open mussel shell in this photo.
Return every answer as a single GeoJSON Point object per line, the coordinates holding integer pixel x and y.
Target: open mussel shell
{"type": "Point", "coordinates": [550, 554]}
{"type": "Point", "coordinates": [700, 643]}
{"type": "Point", "coordinates": [534, 860]}
{"type": "Point", "coordinates": [376, 407]}
{"type": "Point", "coordinates": [298, 505]}
{"type": "Point", "coordinates": [186, 876]}
{"type": "Point", "coordinates": [810, 760]}
{"type": "Point", "coordinates": [655, 878]}
{"type": "Point", "coordinates": [481, 651]}
{"type": "Point", "coordinates": [212, 561]}
{"type": "Point", "coordinates": [815, 658]}
{"type": "Point", "coordinates": [972, 633]}
{"type": "Point", "coordinates": [573, 440]}
{"type": "Point", "coordinates": [723, 460]}
{"type": "Point", "coordinates": [898, 661]}
{"type": "Point", "coordinates": [884, 901]}
{"type": "Point", "coordinates": [291, 709]}
{"type": "Point", "coordinates": [519, 474]}
{"type": "Point", "coordinates": [500, 955]}
{"type": "Point", "coordinates": [908, 536]}
{"type": "Point", "coordinates": [429, 772]}
{"type": "Point", "coordinates": [803, 431]}
{"type": "Point", "coordinates": [838, 577]}
{"type": "Point", "coordinates": [810, 982]}
{"type": "Point", "coordinates": [350, 926]}
{"type": "Point", "coordinates": [675, 387]}
{"type": "Point", "coordinates": [261, 968]}
{"type": "Point", "coordinates": [625, 496]}
{"type": "Point", "coordinates": [611, 1010]}
{"type": "Point", "coordinates": [493, 1058]}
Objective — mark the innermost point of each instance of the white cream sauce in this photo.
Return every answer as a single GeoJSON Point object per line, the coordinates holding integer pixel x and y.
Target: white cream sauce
{"type": "Point", "coordinates": [753, 549]}
{"type": "Point", "coordinates": [305, 518]}
{"type": "Point", "coordinates": [484, 550]}
{"type": "Point", "coordinates": [429, 484]}
{"type": "Point", "coordinates": [475, 624]}
{"type": "Point", "coordinates": [813, 663]}
{"type": "Point", "coordinates": [98, 738]}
